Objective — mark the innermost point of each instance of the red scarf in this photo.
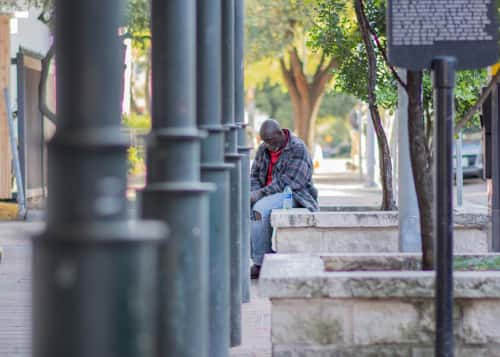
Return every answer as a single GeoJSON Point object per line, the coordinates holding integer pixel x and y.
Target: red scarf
{"type": "Point", "coordinates": [275, 156]}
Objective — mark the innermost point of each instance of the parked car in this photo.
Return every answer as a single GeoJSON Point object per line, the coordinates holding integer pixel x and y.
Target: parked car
{"type": "Point", "coordinates": [472, 159]}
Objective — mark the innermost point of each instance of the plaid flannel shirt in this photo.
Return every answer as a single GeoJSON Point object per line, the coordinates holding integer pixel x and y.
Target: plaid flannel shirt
{"type": "Point", "coordinates": [294, 168]}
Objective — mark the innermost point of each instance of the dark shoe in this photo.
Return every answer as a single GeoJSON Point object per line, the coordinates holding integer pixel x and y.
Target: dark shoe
{"type": "Point", "coordinates": [255, 272]}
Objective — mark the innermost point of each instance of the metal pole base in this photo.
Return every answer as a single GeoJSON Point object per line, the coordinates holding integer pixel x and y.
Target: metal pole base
{"type": "Point", "coordinates": [235, 247]}
{"type": "Point", "coordinates": [117, 261]}
{"type": "Point", "coordinates": [184, 265]}
{"type": "Point", "coordinates": [219, 258]}
{"type": "Point", "coordinates": [245, 225]}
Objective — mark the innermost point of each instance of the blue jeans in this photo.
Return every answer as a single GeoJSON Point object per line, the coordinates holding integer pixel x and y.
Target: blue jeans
{"type": "Point", "coordinates": [261, 230]}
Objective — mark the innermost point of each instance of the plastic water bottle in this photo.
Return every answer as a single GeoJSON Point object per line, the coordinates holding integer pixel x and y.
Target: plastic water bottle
{"type": "Point", "coordinates": [288, 198]}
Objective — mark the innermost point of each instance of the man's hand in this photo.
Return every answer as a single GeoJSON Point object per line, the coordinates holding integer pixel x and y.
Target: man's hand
{"type": "Point", "coordinates": [255, 196]}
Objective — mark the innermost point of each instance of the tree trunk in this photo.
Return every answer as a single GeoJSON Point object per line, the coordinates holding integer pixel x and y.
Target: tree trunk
{"type": "Point", "coordinates": [304, 119]}
{"type": "Point", "coordinates": [421, 162]}
{"type": "Point", "coordinates": [383, 145]}
{"type": "Point", "coordinates": [306, 95]}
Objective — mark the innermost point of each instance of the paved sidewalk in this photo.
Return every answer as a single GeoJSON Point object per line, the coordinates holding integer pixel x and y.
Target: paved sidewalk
{"type": "Point", "coordinates": [256, 326]}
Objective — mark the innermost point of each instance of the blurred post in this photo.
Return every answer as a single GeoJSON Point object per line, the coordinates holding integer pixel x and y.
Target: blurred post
{"type": "Point", "coordinates": [173, 189]}
{"type": "Point", "coordinates": [233, 157]}
{"type": "Point", "coordinates": [243, 147]}
{"type": "Point", "coordinates": [214, 170]}
{"type": "Point", "coordinates": [94, 273]}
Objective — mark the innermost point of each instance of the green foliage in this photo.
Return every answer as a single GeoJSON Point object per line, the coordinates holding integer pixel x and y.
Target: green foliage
{"type": "Point", "coordinates": [271, 99]}
{"type": "Point", "coordinates": [337, 32]}
{"type": "Point", "coordinates": [467, 90]}
{"type": "Point", "coordinates": [273, 25]}
{"type": "Point", "coordinates": [351, 77]}
{"type": "Point", "coordinates": [135, 163]}
{"type": "Point", "coordinates": [138, 22]}
{"type": "Point", "coordinates": [336, 104]}
{"type": "Point", "coordinates": [137, 121]}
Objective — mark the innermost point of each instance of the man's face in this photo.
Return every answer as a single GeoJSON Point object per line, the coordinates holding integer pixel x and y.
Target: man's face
{"type": "Point", "coordinates": [274, 141]}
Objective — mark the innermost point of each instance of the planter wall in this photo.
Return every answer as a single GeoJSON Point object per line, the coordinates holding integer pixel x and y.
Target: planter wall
{"type": "Point", "coordinates": [373, 313]}
{"type": "Point", "coordinates": [301, 231]}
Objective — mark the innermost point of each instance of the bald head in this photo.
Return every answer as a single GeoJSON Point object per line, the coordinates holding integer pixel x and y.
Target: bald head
{"type": "Point", "coordinates": [272, 135]}
{"type": "Point", "coordinates": [269, 127]}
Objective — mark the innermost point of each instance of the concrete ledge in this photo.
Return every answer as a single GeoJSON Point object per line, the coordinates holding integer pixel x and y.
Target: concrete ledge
{"type": "Point", "coordinates": [301, 231]}
{"type": "Point", "coordinates": [305, 276]}
{"type": "Point", "coordinates": [301, 217]}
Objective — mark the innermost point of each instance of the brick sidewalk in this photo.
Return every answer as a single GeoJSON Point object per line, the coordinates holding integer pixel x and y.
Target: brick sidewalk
{"type": "Point", "coordinates": [256, 326]}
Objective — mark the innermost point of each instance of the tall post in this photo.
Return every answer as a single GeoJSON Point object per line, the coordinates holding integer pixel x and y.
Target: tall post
{"type": "Point", "coordinates": [94, 273]}
{"type": "Point", "coordinates": [243, 147]}
{"type": "Point", "coordinates": [409, 218]}
{"type": "Point", "coordinates": [173, 189]}
{"type": "Point", "coordinates": [459, 172]}
{"type": "Point", "coordinates": [444, 82]}
{"type": "Point", "coordinates": [370, 152]}
{"type": "Point", "coordinates": [214, 170]}
{"type": "Point", "coordinates": [360, 144]}
{"type": "Point", "coordinates": [495, 169]}
{"type": "Point", "coordinates": [233, 157]}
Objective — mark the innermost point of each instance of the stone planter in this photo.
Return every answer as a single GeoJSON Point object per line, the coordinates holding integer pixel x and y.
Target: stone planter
{"type": "Point", "coordinates": [301, 231]}
{"type": "Point", "coordinates": [323, 313]}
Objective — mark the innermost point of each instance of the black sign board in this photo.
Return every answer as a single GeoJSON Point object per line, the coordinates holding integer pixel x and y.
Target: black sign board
{"type": "Point", "coordinates": [421, 30]}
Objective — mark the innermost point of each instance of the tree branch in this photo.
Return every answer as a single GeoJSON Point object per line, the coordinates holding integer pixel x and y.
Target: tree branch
{"type": "Point", "coordinates": [324, 77]}
{"type": "Point", "coordinates": [320, 66]}
{"type": "Point", "coordinates": [298, 73]}
{"type": "Point", "coordinates": [382, 49]}
{"type": "Point", "coordinates": [289, 80]}
{"type": "Point", "coordinates": [480, 101]}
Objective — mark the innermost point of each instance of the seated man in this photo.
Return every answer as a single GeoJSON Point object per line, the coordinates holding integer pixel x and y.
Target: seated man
{"type": "Point", "coordinates": [281, 160]}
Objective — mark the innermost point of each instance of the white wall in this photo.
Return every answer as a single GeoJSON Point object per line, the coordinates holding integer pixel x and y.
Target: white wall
{"type": "Point", "coordinates": [29, 33]}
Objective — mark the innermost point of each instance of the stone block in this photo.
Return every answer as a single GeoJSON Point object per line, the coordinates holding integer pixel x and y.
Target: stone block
{"type": "Point", "coordinates": [481, 321]}
{"type": "Point", "coordinates": [378, 322]}
{"type": "Point", "coordinates": [374, 313]}
{"type": "Point", "coordinates": [301, 231]}
{"type": "Point", "coordinates": [315, 322]}
{"type": "Point", "coordinates": [334, 351]}
{"type": "Point", "coordinates": [298, 276]}
{"type": "Point", "coordinates": [460, 351]}
{"type": "Point", "coordinates": [322, 240]}
{"type": "Point", "coordinates": [470, 240]}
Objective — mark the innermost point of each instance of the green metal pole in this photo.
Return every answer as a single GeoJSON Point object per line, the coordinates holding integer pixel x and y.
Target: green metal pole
{"type": "Point", "coordinates": [94, 272]}
{"type": "Point", "coordinates": [233, 157]}
{"type": "Point", "coordinates": [214, 170]}
{"type": "Point", "coordinates": [243, 148]}
{"type": "Point", "coordinates": [173, 189]}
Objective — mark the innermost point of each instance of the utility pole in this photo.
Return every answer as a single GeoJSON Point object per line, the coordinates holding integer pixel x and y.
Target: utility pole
{"type": "Point", "coordinates": [94, 272]}
{"type": "Point", "coordinates": [173, 189]}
